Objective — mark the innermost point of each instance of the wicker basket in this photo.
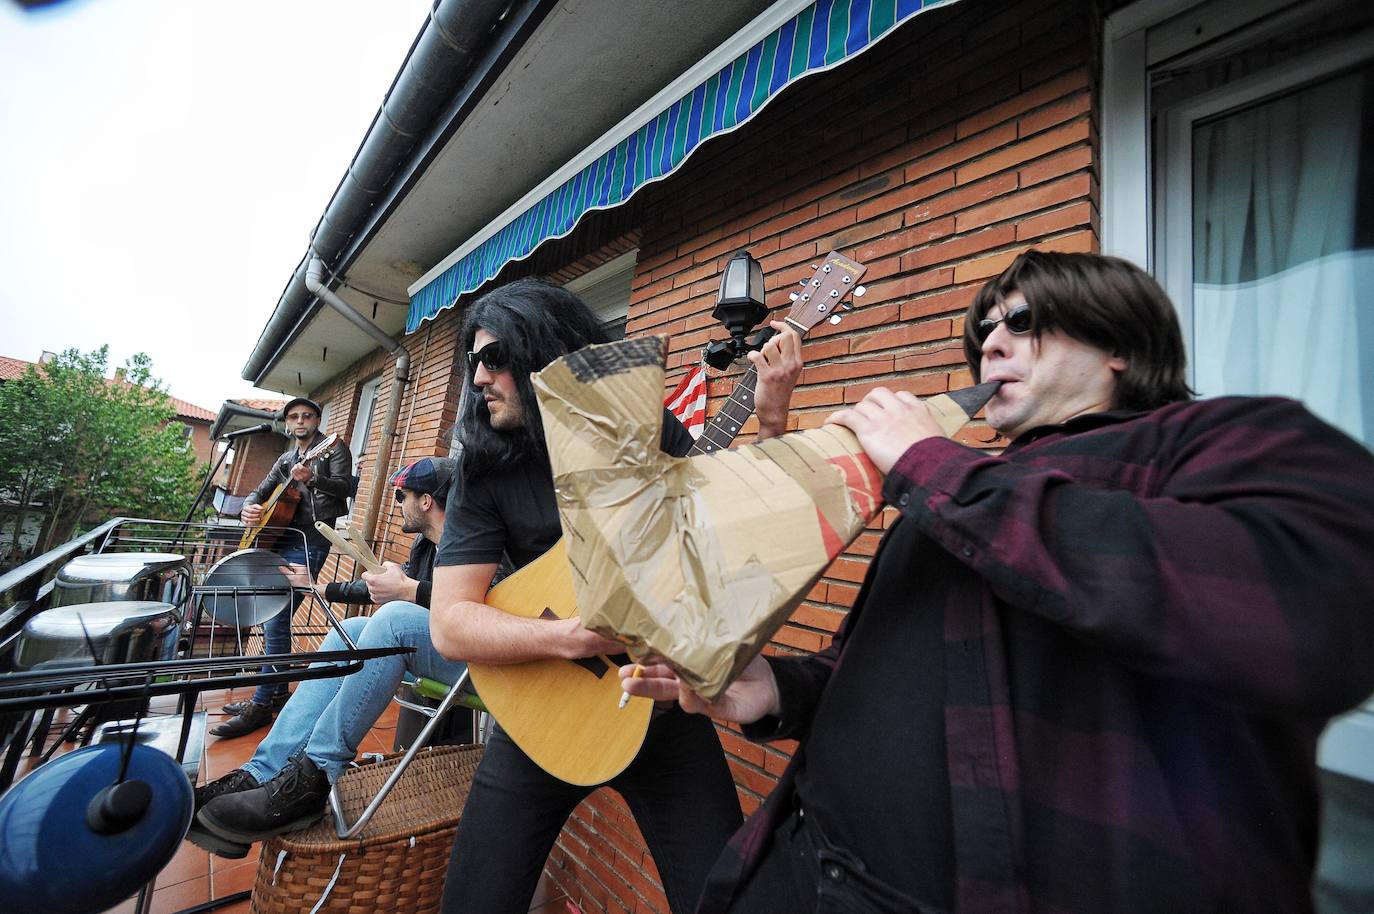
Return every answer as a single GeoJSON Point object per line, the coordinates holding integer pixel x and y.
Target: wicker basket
{"type": "Point", "coordinates": [399, 860]}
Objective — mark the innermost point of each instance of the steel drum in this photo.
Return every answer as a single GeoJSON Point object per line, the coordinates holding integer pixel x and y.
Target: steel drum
{"type": "Point", "coordinates": [161, 576]}
{"type": "Point", "coordinates": [117, 631]}
{"type": "Point", "coordinates": [70, 844]}
{"type": "Point", "coordinates": [246, 588]}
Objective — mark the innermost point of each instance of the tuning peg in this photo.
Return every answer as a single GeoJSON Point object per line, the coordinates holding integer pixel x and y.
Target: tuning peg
{"type": "Point", "coordinates": [826, 268]}
{"type": "Point", "coordinates": [811, 266]}
{"type": "Point", "coordinates": [834, 318]}
{"type": "Point", "coordinates": [793, 295]}
{"type": "Point", "coordinates": [859, 291]}
{"type": "Point", "coordinates": [846, 306]}
{"type": "Point", "coordinates": [804, 282]}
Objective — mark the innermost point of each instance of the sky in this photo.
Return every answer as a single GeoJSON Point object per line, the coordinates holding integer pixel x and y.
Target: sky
{"type": "Point", "coordinates": [162, 163]}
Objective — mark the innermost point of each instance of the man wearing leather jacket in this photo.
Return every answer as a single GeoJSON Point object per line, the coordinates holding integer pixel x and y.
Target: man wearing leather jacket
{"type": "Point", "coordinates": [325, 485]}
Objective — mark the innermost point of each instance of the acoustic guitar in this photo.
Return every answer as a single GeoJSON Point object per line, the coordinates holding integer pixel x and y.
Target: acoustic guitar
{"type": "Point", "coordinates": [280, 506]}
{"type": "Point", "coordinates": [565, 714]}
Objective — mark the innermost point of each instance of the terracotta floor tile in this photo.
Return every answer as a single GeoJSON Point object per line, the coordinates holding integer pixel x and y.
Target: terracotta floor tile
{"type": "Point", "coordinates": [235, 879]}
{"type": "Point", "coordinates": [190, 862]}
{"type": "Point", "coordinates": [182, 895]}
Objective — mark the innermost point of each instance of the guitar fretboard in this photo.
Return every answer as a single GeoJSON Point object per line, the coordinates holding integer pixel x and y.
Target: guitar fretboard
{"type": "Point", "coordinates": [724, 426]}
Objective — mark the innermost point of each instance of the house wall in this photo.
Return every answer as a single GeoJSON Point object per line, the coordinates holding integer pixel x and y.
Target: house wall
{"type": "Point", "coordinates": [936, 157]}
{"type": "Point", "coordinates": [253, 457]}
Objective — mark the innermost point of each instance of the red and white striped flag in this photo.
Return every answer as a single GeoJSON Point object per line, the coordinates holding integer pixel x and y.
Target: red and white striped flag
{"type": "Point", "coordinates": [688, 400]}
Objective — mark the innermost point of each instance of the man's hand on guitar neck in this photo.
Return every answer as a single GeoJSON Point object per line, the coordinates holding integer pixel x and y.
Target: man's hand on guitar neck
{"type": "Point", "coordinates": [779, 365]}
{"type": "Point", "coordinates": [302, 472]}
{"type": "Point", "coordinates": [752, 696]}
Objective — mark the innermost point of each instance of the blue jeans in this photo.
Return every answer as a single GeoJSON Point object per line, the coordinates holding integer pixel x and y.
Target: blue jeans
{"type": "Point", "coordinates": [678, 788]}
{"type": "Point", "coordinates": [276, 631]}
{"type": "Point", "coordinates": [329, 717]}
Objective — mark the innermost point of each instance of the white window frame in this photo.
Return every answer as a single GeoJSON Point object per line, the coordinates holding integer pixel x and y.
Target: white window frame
{"type": "Point", "coordinates": [1135, 39]}
{"type": "Point", "coordinates": [619, 270]}
{"type": "Point", "coordinates": [362, 420]}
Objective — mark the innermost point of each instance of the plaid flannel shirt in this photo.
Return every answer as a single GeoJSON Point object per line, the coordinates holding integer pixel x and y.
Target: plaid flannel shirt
{"type": "Point", "coordinates": [1173, 605]}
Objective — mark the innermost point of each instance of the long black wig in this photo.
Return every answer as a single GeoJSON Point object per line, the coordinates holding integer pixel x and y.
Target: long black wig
{"type": "Point", "coordinates": [538, 322]}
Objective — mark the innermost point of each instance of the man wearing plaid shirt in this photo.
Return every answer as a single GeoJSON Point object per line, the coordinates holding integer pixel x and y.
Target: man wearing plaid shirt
{"type": "Point", "coordinates": [1089, 674]}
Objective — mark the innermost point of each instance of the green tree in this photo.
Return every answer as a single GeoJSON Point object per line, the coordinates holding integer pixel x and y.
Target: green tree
{"type": "Point", "coordinates": [86, 448]}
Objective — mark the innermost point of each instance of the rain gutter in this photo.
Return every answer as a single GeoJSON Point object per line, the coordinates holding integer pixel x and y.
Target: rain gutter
{"type": "Point", "coordinates": [462, 49]}
{"type": "Point", "coordinates": [314, 282]}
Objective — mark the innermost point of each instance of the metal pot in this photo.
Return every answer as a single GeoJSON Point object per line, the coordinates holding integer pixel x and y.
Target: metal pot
{"type": "Point", "coordinates": [118, 631]}
{"type": "Point", "coordinates": [162, 577]}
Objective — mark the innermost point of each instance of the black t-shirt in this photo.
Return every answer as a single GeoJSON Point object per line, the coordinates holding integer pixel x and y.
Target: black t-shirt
{"type": "Point", "coordinates": [875, 777]}
{"type": "Point", "coordinates": [513, 512]}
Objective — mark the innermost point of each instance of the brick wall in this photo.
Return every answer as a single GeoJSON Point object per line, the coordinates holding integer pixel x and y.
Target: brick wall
{"type": "Point", "coordinates": [424, 424]}
{"type": "Point", "coordinates": [934, 160]}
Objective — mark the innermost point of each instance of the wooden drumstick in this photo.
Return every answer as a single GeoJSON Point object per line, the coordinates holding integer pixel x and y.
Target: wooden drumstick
{"type": "Point", "coordinates": [358, 551]}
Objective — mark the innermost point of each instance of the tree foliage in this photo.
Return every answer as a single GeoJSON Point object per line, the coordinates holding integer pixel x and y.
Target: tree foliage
{"type": "Point", "coordinates": [86, 449]}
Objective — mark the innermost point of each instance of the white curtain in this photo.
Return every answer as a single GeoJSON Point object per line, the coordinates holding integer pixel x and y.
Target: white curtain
{"type": "Point", "coordinates": [1278, 286]}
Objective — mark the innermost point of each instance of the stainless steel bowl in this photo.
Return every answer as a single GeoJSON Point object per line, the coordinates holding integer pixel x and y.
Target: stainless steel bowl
{"type": "Point", "coordinates": [116, 631]}
{"type": "Point", "coordinates": [162, 577]}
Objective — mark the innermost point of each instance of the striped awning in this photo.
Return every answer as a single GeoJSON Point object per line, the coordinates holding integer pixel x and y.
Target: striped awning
{"type": "Point", "coordinates": [821, 36]}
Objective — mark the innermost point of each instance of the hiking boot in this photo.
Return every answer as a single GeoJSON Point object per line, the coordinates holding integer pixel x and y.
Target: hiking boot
{"type": "Point", "coordinates": [292, 800]}
{"type": "Point", "coordinates": [233, 782]}
{"type": "Point", "coordinates": [235, 708]}
{"type": "Point", "coordinates": [254, 717]}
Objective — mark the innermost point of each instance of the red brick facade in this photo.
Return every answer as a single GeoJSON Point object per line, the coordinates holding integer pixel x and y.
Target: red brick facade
{"type": "Point", "coordinates": [934, 159]}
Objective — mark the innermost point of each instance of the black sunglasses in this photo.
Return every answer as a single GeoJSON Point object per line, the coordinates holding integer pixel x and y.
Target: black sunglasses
{"type": "Point", "coordinates": [493, 357]}
{"type": "Point", "coordinates": [400, 496]}
{"type": "Point", "coordinates": [1018, 321]}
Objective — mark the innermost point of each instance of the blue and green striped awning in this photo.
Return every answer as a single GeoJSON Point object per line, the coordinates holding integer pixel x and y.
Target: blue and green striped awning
{"type": "Point", "coordinates": [822, 35]}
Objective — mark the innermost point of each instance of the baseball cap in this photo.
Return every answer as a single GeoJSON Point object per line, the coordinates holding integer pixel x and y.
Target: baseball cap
{"type": "Point", "coordinates": [427, 475]}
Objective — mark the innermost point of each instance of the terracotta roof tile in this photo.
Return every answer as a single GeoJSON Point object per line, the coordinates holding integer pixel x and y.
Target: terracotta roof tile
{"type": "Point", "coordinates": [267, 406]}
{"type": "Point", "coordinates": [12, 369]}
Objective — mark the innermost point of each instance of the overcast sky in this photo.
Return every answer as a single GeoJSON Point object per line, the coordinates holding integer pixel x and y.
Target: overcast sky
{"type": "Point", "coordinates": [162, 163]}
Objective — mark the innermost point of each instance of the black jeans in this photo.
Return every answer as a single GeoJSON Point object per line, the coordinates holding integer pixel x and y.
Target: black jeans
{"type": "Point", "coordinates": [678, 787]}
{"type": "Point", "coordinates": [802, 872]}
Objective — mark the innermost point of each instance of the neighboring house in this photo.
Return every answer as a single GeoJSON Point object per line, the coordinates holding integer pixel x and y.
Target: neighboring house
{"type": "Point", "coordinates": [629, 149]}
{"type": "Point", "coordinates": [250, 456]}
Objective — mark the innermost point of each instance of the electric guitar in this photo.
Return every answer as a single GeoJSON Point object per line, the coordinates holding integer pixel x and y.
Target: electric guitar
{"type": "Point", "coordinates": [280, 506]}
{"type": "Point", "coordinates": [565, 714]}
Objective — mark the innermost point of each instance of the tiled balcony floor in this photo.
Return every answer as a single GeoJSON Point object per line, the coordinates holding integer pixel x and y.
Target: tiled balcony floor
{"type": "Point", "coordinates": [195, 877]}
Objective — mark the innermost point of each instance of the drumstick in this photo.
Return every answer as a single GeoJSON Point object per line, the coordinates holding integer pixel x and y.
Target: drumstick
{"type": "Point", "coordinates": [359, 551]}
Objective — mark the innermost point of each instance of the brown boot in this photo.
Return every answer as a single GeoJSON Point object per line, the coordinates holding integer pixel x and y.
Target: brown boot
{"type": "Point", "coordinates": [254, 717]}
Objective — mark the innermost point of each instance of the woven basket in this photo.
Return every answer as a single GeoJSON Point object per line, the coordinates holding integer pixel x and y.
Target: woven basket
{"type": "Point", "coordinates": [399, 860]}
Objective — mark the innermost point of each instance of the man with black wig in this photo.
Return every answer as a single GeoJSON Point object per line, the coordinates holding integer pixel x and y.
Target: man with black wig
{"type": "Point", "coordinates": [1085, 675]}
{"type": "Point", "coordinates": [678, 787]}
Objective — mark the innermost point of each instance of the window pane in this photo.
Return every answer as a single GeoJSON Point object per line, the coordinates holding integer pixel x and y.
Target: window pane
{"type": "Point", "coordinates": [1281, 262]}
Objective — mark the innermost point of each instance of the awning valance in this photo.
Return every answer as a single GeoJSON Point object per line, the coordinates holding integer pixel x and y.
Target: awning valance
{"type": "Point", "coordinates": [822, 35]}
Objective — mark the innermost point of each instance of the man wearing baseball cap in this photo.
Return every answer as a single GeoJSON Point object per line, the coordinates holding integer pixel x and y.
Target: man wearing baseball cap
{"type": "Point", "coordinates": [285, 785]}
{"type": "Point", "coordinates": [324, 485]}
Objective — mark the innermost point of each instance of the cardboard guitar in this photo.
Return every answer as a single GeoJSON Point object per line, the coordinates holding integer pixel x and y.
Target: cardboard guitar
{"type": "Point", "coordinates": [280, 506]}
{"type": "Point", "coordinates": [565, 714]}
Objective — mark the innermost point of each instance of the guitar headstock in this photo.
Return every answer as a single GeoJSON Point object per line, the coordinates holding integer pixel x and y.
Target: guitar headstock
{"type": "Point", "coordinates": [324, 447]}
{"type": "Point", "coordinates": [825, 293]}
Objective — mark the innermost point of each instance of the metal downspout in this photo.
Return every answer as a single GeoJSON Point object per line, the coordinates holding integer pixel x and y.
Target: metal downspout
{"type": "Point", "coordinates": [314, 275]}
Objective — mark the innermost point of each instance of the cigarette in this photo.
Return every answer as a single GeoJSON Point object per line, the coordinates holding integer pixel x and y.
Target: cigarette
{"type": "Point", "coordinates": [625, 696]}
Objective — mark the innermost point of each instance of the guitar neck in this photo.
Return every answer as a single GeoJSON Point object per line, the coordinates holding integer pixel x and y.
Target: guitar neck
{"type": "Point", "coordinates": [723, 428]}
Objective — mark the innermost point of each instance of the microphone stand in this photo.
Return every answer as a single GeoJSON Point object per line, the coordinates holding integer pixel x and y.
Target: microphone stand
{"type": "Point", "coordinates": [200, 495]}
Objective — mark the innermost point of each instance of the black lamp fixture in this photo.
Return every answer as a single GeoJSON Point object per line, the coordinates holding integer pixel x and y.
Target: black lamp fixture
{"type": "Point", "coordinates": [739, 306]}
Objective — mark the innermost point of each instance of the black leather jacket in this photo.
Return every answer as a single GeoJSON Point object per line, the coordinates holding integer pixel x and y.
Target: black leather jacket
{"type": "Point", "coordinates": [328, 489]}
{"type": "Point", "coordinates": [419, 568]}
